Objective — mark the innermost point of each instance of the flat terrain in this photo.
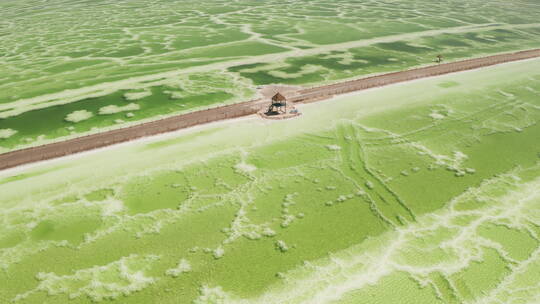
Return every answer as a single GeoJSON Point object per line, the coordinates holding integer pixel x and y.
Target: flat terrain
{"type": "Point", "coordinates": [93, 66]}
{"type": "Point", "coordinates": [49, 151]}
{"type": "Point", "coordinates": [423, 192]}
{"type": "Point", "coordinates": [399, 191]}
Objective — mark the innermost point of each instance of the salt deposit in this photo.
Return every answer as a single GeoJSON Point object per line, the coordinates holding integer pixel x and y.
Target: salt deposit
{"type": "Point", "coordinates": [113, 109]}
{"type": "Point", "coordinates": [78, 116]}
{"type": "Point", "coordinates": [7, 133]}
{"type": "Point", "coordinates": [137, 95]}
{"type": "Point", "coordinates": [183, 266]}
{"type": "Point", "coordinates": [436, 115]}
{"type": "Point", "coordinates": [282, 246]}
{"type": "Point", "coordinates": [333, 147]}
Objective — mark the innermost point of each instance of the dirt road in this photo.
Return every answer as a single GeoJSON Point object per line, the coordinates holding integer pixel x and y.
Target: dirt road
{"type": "Point", "coordinates": [89, 142]}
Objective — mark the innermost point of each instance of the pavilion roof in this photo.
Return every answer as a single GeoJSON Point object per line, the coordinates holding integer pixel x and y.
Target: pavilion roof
{"type": "Point", "coordinates": [278, 97]}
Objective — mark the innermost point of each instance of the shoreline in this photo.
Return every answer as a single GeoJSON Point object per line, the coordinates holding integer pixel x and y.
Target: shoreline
{"type": "Point", "coordinates": [242, 110]}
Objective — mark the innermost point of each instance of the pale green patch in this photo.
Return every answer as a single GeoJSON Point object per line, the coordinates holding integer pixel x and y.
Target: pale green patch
{"type": "Point", "coordinates": [78, 116]}
{"type": "Point", "coordinates": [7, 133]}
{"type": "Point", "coordinates": [183, 266]}
{"type": "Point", "coordinates": [137, 95]}
{"type": "Point", "coordinates": [113, 109]}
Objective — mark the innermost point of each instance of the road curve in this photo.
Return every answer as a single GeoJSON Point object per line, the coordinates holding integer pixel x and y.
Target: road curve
{"type": "Point", "coordinates": [93, 141]}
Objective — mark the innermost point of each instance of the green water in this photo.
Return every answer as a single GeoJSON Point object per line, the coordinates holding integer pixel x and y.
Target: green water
{"type": "Point", "coordinates": [424, 192]}
{"type": "Point", "coordinates": [49, 71]}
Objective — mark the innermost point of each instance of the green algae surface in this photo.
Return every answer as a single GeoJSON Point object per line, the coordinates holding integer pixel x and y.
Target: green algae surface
{"type": "Point", "coordinates": [71, 68]}
{"type": "Point", "coordinates": [422, 192]}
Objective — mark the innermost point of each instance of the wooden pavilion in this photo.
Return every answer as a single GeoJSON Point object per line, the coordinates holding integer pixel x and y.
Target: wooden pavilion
{"type": "Point", "coordinates": [278, 105]}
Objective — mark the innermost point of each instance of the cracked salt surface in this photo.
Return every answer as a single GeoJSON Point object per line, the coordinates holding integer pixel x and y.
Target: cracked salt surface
{"type": "Point", "coordinates": [365, 265]}
{"type": "Point", "coordinates": [107, 282]}
{"type": "Point", "coordinates": [451, 233]}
